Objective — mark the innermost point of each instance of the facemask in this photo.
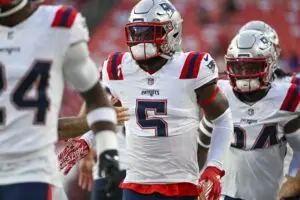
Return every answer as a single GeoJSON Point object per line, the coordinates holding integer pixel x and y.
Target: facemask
{"type": "Point", "coordinates": [247, 85]}
{"type": "Point", "coordinates": [143, 51]}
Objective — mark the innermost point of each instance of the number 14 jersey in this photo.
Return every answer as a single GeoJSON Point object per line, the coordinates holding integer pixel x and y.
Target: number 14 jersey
{"type": "Point", "coordinates": [161, 134]}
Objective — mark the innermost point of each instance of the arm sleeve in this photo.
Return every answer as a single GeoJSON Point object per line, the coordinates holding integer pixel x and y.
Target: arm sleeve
{"type": "Point", "coordinates": [222, 135]}
{"type": "Point", "coordinates": [294, 140]}
{"type": "Point", "coordinates": [208, 71]}
{"type": "Point", "coordinates": [79, 70]}
{"type": "Point", "coordinates": [295, 164]}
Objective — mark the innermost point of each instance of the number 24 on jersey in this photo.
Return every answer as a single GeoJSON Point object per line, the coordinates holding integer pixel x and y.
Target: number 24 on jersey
{"type": "Point", "coordinates": [36, 78]}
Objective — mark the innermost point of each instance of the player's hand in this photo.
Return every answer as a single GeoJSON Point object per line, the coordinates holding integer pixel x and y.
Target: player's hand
{"type": "Point", "coordinates": [210, 183]}
{"type": "Point", "coordinates": [290, 188]}
{"type": "Point", "coordinates": [122, 115]}
{"type": "Point", "coordinates": [86, 164]}
{"type": "Point", "coordinates": [122, 112]}
{"type": "Point", "coordinates": [114, 100]}
{"type": "Point", "coordinates": [75, 150]}
{"type": "Point", "coordinates": [109, 168]}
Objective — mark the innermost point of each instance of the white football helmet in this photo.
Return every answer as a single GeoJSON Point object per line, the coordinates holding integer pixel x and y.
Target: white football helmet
{"type": "Point", "coordinates": [266, 29]}
{"type": "Point", "coordinates": [154, 29]}
{"type": "Point", "coordinates": [250, 61]}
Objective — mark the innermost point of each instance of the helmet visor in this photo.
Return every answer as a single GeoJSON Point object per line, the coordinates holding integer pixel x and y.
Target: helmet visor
{"type": "Point", "coordinates": [145, 33]}
{"type": "Point", "coordinates": [246, 68]}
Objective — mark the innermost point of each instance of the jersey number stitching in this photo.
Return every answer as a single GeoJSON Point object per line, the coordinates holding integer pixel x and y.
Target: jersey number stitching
{"type": "Point", "coordinates": [157, 123]}
{"type": "Point", "coordinates": [267, 137]}
{"type": "Point", "coordinates": [37, 78]}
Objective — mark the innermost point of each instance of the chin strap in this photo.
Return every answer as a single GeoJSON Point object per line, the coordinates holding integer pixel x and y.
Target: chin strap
{"type": "Point", "coordinates": [15, 9]}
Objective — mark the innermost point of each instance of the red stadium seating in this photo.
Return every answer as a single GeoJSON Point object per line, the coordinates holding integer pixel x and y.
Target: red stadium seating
{"type": "Point", "coordinates": [109, 35]}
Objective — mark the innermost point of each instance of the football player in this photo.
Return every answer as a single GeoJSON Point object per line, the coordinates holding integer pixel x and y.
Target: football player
{"type": "Point", "coordinates": [279, 75]}
{"type": "Point", "coordinates": [163, 90]}
{"type": "Point", "coordinates": [265, 116]}
{"type": "Point", "coordinates": [40, 48]}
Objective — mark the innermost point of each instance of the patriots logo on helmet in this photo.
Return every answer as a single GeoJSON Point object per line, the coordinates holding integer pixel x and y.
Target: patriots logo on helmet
{"type": "Point", "coordinates": [168, 8]}
{"type": "Point", "coordinates": [211, 65]}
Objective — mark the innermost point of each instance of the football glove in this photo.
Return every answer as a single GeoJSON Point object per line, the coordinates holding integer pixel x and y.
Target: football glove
{"type": "Point", "coordinates": [210, 183]}
{"type": "Point", "coordinates": [75, 150]}
{"type": "Point", "coordinates": [109, 168]}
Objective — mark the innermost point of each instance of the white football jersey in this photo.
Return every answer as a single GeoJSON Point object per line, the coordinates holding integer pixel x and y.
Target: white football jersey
{"type": "Point", "coordinates": [254, 164]}
{"type": "Point", "coordinates": [292, 159]}
{"type": "Point", "coordinates": [161, 134]}
{"type": "Point", "coordinates": [31, 87]}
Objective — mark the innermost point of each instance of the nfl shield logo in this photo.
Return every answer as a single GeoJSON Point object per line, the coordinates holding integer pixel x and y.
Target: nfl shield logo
{"type": "Point", "coordinates": [250, 111]}
{"type": "Point", "coordinates": [150, 81]}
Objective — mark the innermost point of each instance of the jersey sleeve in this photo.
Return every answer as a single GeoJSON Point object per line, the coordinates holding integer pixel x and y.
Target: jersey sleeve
{"type": "Point", "coordinates": [200, 67]}
{"type": "Point", "coordinates": [79, 30]}
{"type": "Point", "coordinates": [295, 80]}
{"type": "Point", "coordinates": [67, 17]}
{"type": "Point", "coordinates": [208, 70]}
{"type": "Point", "coordinates": [292, 99]}
{"type": "Point", "coordinates": [106, 81]}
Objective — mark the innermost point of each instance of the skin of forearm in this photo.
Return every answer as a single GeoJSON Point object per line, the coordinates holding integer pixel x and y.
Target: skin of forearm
{"type": "Point", "coordinates": [70, 127]}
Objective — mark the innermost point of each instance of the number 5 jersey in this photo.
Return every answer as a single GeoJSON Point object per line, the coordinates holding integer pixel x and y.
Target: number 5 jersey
{"type": "Point", "coordinates": [161, 134]}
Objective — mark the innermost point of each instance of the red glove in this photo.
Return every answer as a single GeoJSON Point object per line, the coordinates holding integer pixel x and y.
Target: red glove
{"type": "Point", "coordinates": [210, 183]}
{"type": "Point", "coordinates": [75, 150]}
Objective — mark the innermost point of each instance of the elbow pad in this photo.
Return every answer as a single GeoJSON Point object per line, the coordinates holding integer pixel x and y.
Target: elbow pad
{"type": "Point", "coordinates": [222, 135]}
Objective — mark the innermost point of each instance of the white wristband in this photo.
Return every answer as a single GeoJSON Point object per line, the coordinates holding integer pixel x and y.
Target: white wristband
{"type": "Point", "coordinates": [88, 137]}
{"type": "Point", "coordinates": [203, 129]}
{"type": "Point", "coordinates": [106, 114]}
{"type": "Point", "coordinates": [105, 140]}
{"type": "Point", "coordinates": [202, 144]}
{"type": "Point", "coordinates": [208, 123]}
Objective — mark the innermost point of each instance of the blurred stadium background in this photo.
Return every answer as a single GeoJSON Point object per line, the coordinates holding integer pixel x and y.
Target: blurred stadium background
{"type": "Point", "coordinates": [208, 25]}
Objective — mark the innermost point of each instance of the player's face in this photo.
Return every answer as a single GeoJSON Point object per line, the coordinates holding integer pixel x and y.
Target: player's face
{"type": "Point", "coordinates": [146, 39]}
{"type": "Point", "coordinates": [246, 69]}
{"type": "Point", "coordinates": [139, 33]}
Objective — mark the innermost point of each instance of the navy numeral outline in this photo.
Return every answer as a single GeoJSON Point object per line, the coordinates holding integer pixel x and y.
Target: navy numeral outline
{"type": "Point", "coordinates": [3, 85]}
{"type": "Point", "coordinates": [267, 137]}
{"type": "Point", "coordinates": [36, 78]}
{"type": "Point", "coordinates": [239, 137]}
{"type": "Point", "coordinates": [159, 106]}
